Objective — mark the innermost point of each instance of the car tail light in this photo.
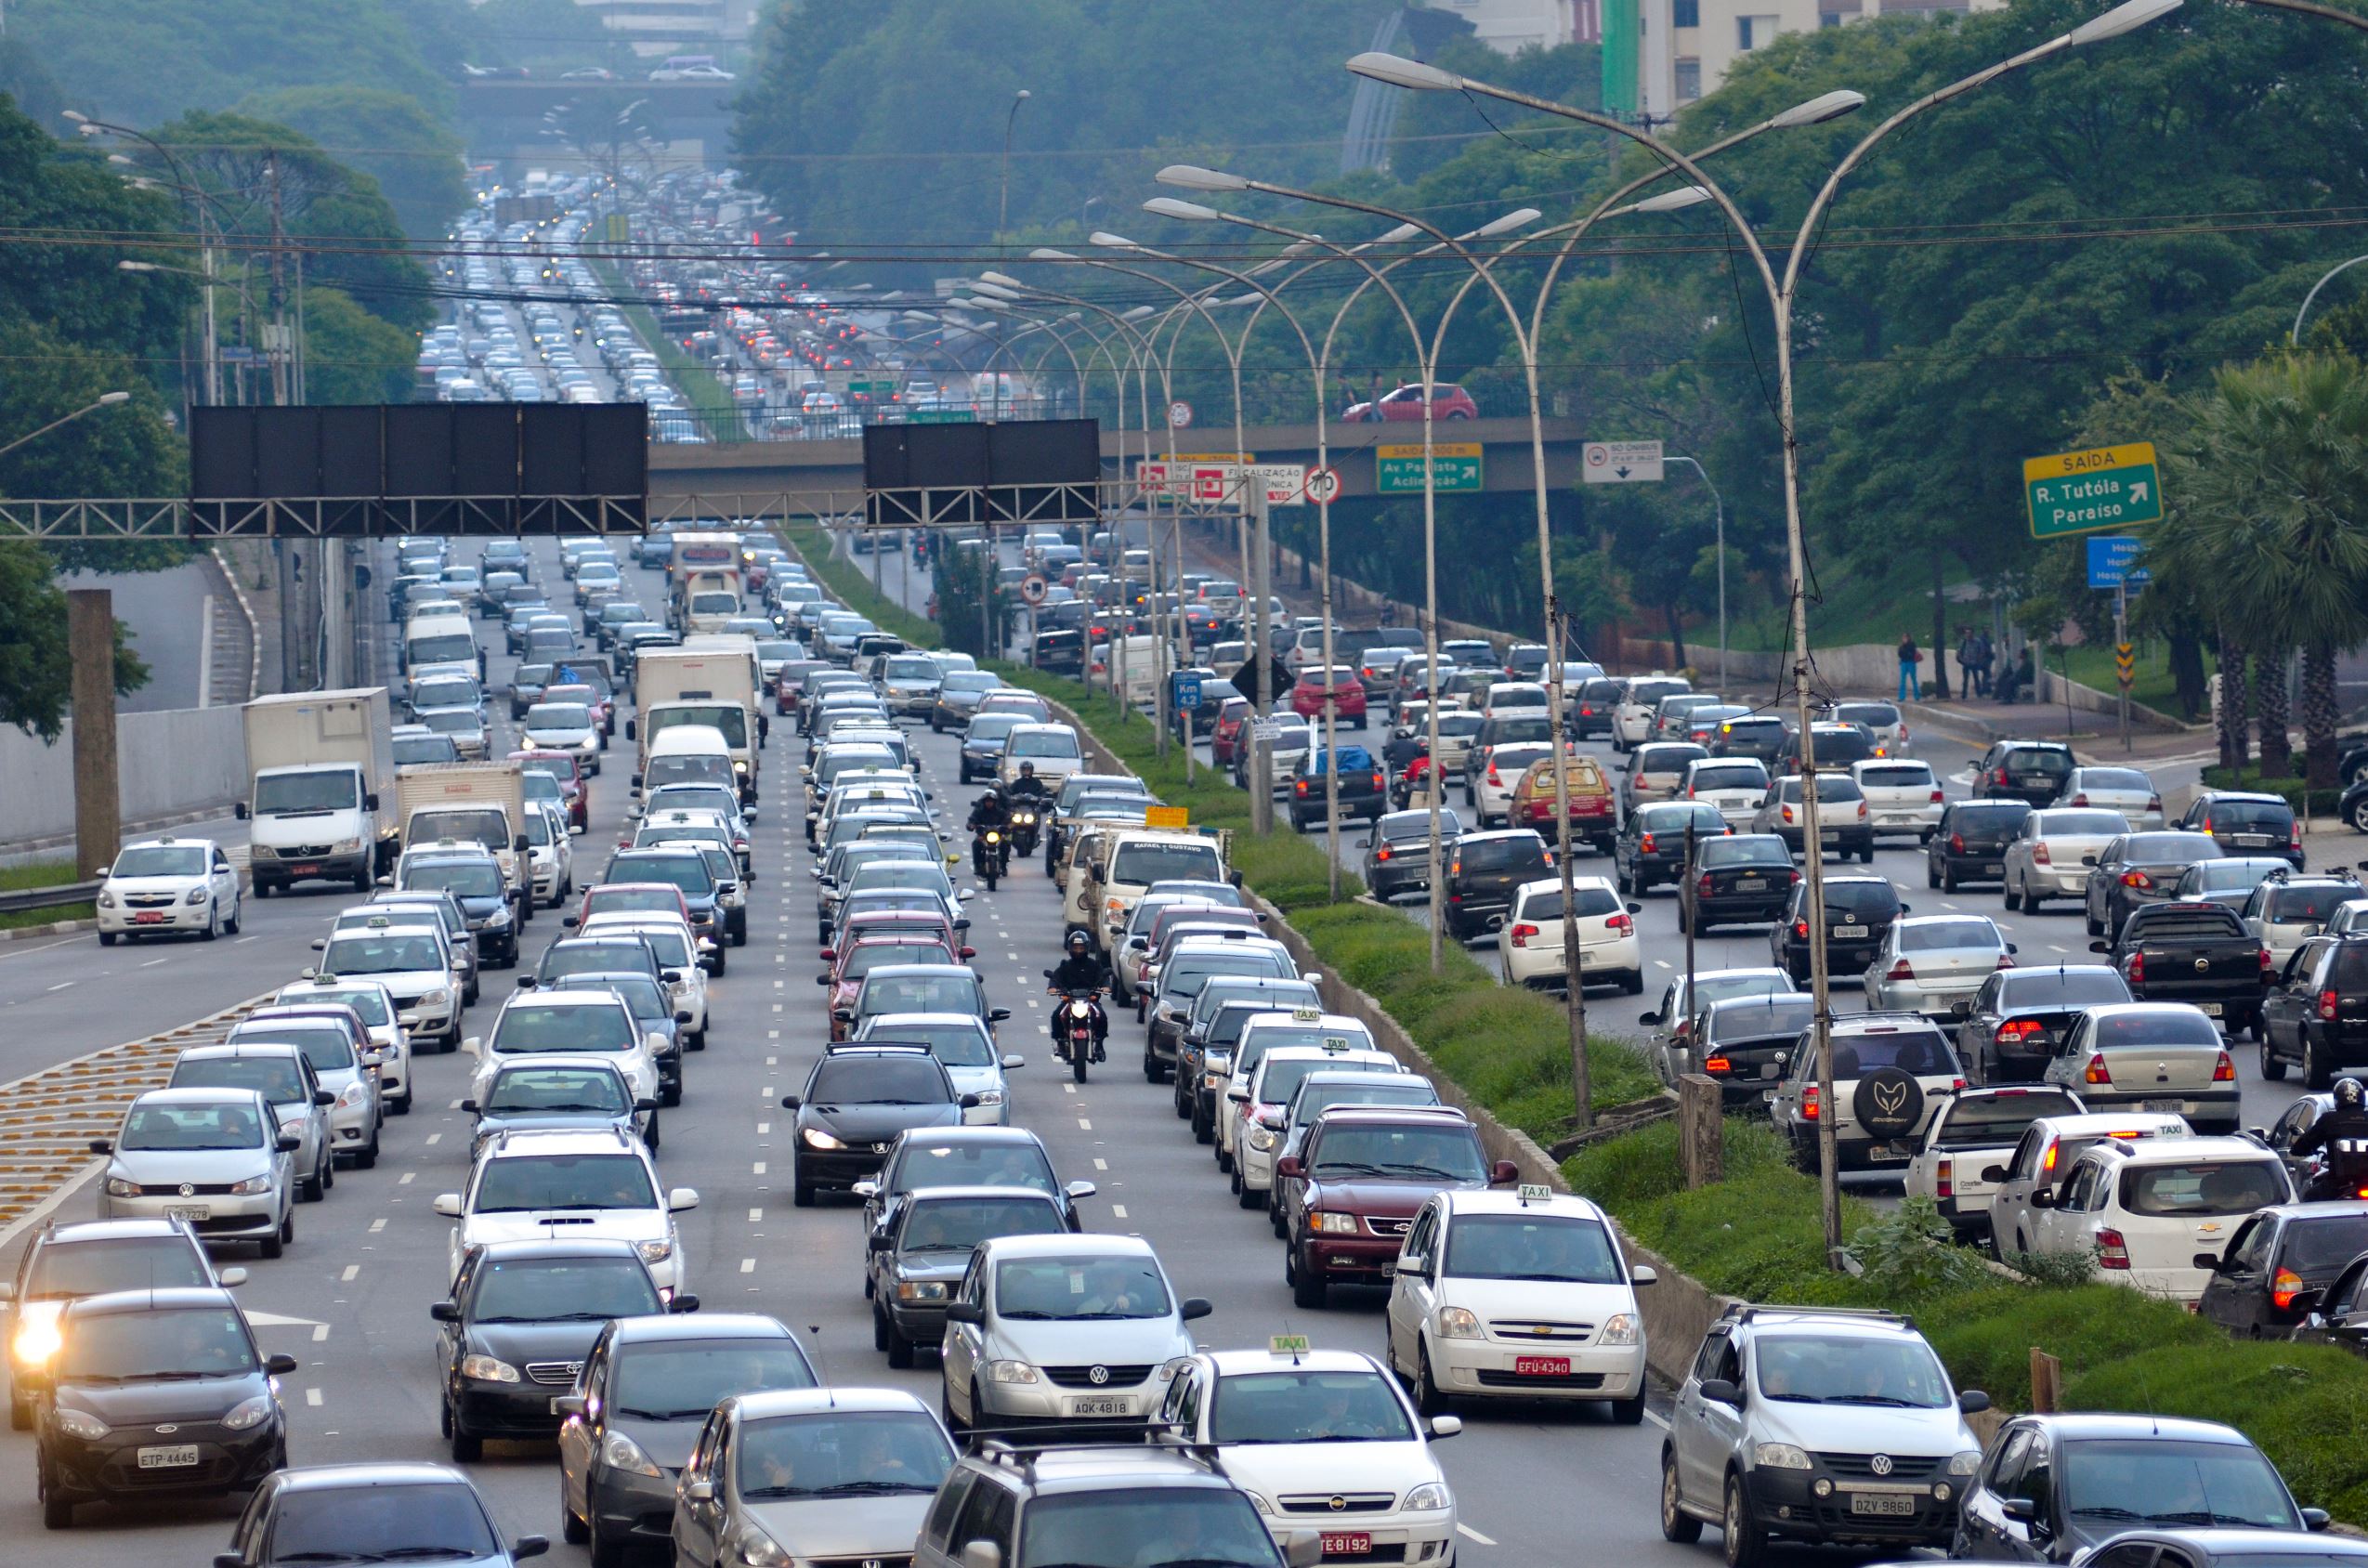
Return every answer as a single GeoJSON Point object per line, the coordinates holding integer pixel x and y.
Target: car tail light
{"type": "Point", "coordinates": [1620, 924]}
{"type": "Point", "coordinates": [1956, 843]}
{"type": "Point", "coordinates": [1523, 932]}
{"type": "Point", "coordinates": [1944, 1179]}
{"type": "Point", "coordinates": [2097, 1072]}
{"type": "Point", "coordinates": [1937, 797]}
{"type": "Point", "coordinates": [2327, 1006]}
{"type": "Point", "coordinates": [2137, 968]}
{"type": "Point", "coordinates": [1796, 875]}
{"type": "Point", "coordinates": [1300, 789]}
{"type": "Point", "coordinates": [2154, 802]}
{"type": "Point", "coordinates": [1788, 814]}
{"type": "Point", "coordinates": [2081, 798]}
{"type": "Point", "coordinates": [2293, 836]}
{"type": "Point", "coordinates": [2135, 879]}
{"type": "Point", "coordinates": [1380, 782]}
{"type": "Point", "coordinates": [1383, 852]}
{"type": "Point", "coordinates": [2039, 855]}
{"type": "Point", "coordinates": [2006, 961]}
{"type": "Point", "coordinates": [2113, 1252]}
{"type": "Point", "coordinates": [1998, 776]}
{"type": "Point", "coordinates": [2285, 1286]}
{"type": "Point", "coordinates": [1644, 845]}
{"type": "Point", "coordinates": [1717, 1064]}
{"type": "Point", "coordinates": [1586, 712]}
{"type": "Point", "coordinates": [1901, 970]}
{"type": "Point", "coordinates": [1801, 929]}
{"type": "Point", "coordinates": [2224, 1070]}
{"type": "Point", "coordinates": [2014, 1031]}
{"type": "Point", "coordinates": [1706, 888]}
{"type": "Point", "coordinates": [1809, 1102]}
{"type": "Point", "coordinates": [1493, 775]}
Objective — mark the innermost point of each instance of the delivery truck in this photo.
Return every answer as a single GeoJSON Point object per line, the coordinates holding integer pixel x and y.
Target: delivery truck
{"type": "Point", "coordinates": [710, 686]}
{"type": "Point", "coordinates": [321, 767]}
{"type": "Point", "coordinates": [474, 802]}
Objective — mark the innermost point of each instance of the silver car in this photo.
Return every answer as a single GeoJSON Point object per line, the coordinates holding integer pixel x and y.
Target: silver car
{"type": "Point", "coordinates": [1673, 1020]}
{"type": "Point", "coordinates": [2285, 912]}
{"type": "Point", "coordinates": [2124, 789]}
{"type": "Point", "coordinates": [1657, 771]}
{"type": "Point", "coordinates": [345, 1067]}
{"type": "Point", "coordinates": [285, 1078]}
{"type": "Point", "coordinates": [810, 1475]}
{"type": "Point", "coordinates": [1084, 1329]}
{"type": "Point", "coordinates": [214, 1158]}
{"type": "Point", "coordinates": [563, 727]}
{"type": "Point", "coordinates": [1931, 962]}
{"type": "Point", "coordinates": [374, 1005]}
{"type": "Point", "coordinates": [2049, 855]}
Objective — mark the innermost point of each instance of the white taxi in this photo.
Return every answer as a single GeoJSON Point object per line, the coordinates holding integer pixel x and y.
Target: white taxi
{"type": "Point", "coordinates": [408, 956]}
{"type": "Point", "coordinates": [1322, 1439]}
{"type": "Point", "coordinates": [380, 1014]}
{"type": "Point", "coordinates": [166, 888]}
{"type": "Point", "coordinates": [1520, 1294]}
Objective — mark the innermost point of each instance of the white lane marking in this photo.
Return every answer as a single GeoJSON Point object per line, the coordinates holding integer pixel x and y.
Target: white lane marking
{"type": "Point", "coordinates": [61, 984]}
{"type": "Point", "coordinates": [378, 1224]}
{"type": "Point", "coordinates": [1083, 1124]}
{"type": "Point", "coordinates": [405, 1179]}
{"type": "Point", "coordinates": [241, 942]}
{"type": "Point", "coordinates": [1660, 963]}
{"type": "Point", "coordinates": [319, 1332]}
{"type": "Point", "coordinates": [435, 1138]}
{"type": "Point", "coordinates": [153, 963]}
{"type": "Point", "coordinates": [1462, 1529]}
{"type": "Point", "coordinates": [1119, 1210]}
{"type": "Point", "coordinates": [755, 1215]}
{"type": "Point", "coordinates": [2058, 947]}
{"type": "Point", "coordinates": [454, 1106]}
{"type": "Point", "coordinates": [1658, 1419]}
{"type": "Point", "coordinates": [760, 1168]}
{"type": "Point", "coordinates": [312, 1397]}
{"type": "Point", "coordinates": [764, 1127]}
{"type": "Point", "coordinates": [747, 1265]}
{"type": "Point", "coordinates": [352, 1271]}
{"type": "Point", "coordinates": [1101, 1164]}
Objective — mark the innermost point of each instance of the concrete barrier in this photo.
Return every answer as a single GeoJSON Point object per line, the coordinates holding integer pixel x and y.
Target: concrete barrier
{"type": "Point", "coordinates": [169, 763]}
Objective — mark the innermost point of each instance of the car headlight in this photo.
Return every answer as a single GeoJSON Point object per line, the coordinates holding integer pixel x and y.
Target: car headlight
{"type": "Point", "coordinates": [920, 1290]}
{"type": "Point", "coordinates": [991, 1096]}
{"type": "Point", "coordinates": [248, 1412]}
{"type": "Point", "coordinates": [1457, 1322]}
{"type": "Point", "coordinates": [344, 846]}
{"type": "Point", "coordinates": [1429, 1495]}
{"type": "Point", "coordinates": [1618, 1329]}
{"type": "Point", "coordinates": [656, 1252]}
{"type": "Point", "coordinates": [1262, 1139]}
{"type": "Point", "coordinates": [36, 1343]}
{"type": "Point", "coordinates": [622, 1453]}
{"type": "Point", "coordinates": [1780, 1456]}
{"type": "Point", "coordinates": [1335, 1224]}
{"type": "Point", "coordinates": [197, 895]}
{"type": "Point", "coordinates": [756, 1549]}
{"type": "Point", "coordinates": [1966, 1463]}
{"type": "Point", "coordinates": [1173, 1368]}
{"type": "Point", "coordinates": [80, 1423]}
{"type": "Point", "coordinates": [254, 1186]}
{"type": "Point", "coordinates": [1010, 1372]}
{"type": "Point", "coordinates": [1261, 1504]}
{"type": "Point", "coordinates": [352, 1095]}
{"type": "Point", "coordinates": [106, 900]}
{"type": "Point", "coordinates": [488, 1369]}
{"type": "Point", "coordinates": [817, 1139]}
{"type": "Point", "coordinates": [436, 998]}
{"type": "Point", "coordinates": [497, 921]}
{"type": "Point", "coordinates": [118, 1187]}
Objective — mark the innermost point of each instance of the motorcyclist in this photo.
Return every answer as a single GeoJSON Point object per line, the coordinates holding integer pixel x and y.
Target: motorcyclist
{"type": "Point", "coordinates": [989, 813]}
{"type": "Point", "coordinates": [1081, 969]}
{"type": "Point", "coordinates": [2342, 1136]}
{"type": "Point", "coordinates": [1027, 786]}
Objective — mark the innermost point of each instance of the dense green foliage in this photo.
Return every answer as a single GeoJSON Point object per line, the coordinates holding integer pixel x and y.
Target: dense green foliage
{"type": "Point", "coordinates": [353, 357]}
{"type": "Point", "coordinates": [389, 136]}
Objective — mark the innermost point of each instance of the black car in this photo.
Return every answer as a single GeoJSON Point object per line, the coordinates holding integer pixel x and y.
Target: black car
{"type": "Point", "coordinates": [1859, 912]}
{"type": "Point", "coordinates": [1397, 852]}
{"type": "Point", "coordinates": [2248, 823]}
{"type": "Point", "coordinates": [2277, 1254]}
{"type": "Point", "coordinates": [647, 1391]}
{"type": "Point", "coordinates": [2136, 869]}
{"type": "Point", "coordinates": [1483, 873]}
{"type": "Point", "coordinates": [2315, 1016]}
{"type": "Point", "coordinates": [966, 1156]}
{"type": "Point", "coordinates": [69, 1260]}
{"type": "Point", "coordinates": [2019, 1017]}
{"type": "Point", "coordinates": [1763, 736]}
{"type": "Point", "coordinates": [1969, 842]}
{"type": "Point", "coordinates": [2029, 771]}
{"type": "Point", "coordinates": [2195, 953]}
{"type": "Point", "coordinates": [1590, 708]}
{"type": "Point", "coordinates": [914, 1263]}
{"type": "Point", "coordinates": [388, 1512]}
{"type": "Point", "coordinates": [1204, 1050]}
{"type": "Point", "coordinates": [2337, 1314]}
{"type": "Point", "coordinates": [856, 1100]}
{"type": "Point", "coordinates": [513, 1336]}
{"type": "Point", "coordinates": [1745, 877]}
{"type": "Point", "coordinates": [2052, 1487]}
{"type": "Point", "coordinates": [1836, 745]}
{"type": "Point", "coordinates": [1748, 1039]}
{"type": "Point", "coordinates": [1651, 846]}
{"type": "Point", "coordinates": [131, 1362]}
{"type": "Point", "coordinates": [474, 879]}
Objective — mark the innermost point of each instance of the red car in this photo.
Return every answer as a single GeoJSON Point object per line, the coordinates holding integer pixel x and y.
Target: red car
{"type": "Point", "coordinates": [1345, 690]}
{"type": "Point", "coordinates": [1226, 735]}
{"type": "Point", "coordinates": [568, 769]}
{"type": "Point", "coordinates": [1338, 1177]}
{"type": "Point", "coordinates": [1448, 402]}
{"type": "Point", "coordinates": [844, 978]}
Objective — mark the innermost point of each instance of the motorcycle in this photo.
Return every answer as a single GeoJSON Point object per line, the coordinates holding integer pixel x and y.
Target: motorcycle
{"type": "Point", "coordinates": [990, 856]}
{"type": "Point", "coordinates": [1073, 1029]}
{"type": "Point", "coordinates": [1024, 830]}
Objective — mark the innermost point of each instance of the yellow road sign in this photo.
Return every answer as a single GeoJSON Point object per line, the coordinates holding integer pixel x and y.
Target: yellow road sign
{"type": "Point", "coordinates": [1438, 448]}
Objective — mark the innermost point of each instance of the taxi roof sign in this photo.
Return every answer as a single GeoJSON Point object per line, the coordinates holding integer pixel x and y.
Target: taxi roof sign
{"type": "Point", "coordinates": [1532, 1192]}
{"type": "Point", "coordinates": [1287, 1344]}
{"type": "Point", "coordinates": [1306, 1014]}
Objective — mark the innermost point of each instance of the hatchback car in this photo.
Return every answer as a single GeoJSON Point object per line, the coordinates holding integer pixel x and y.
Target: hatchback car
{"type": "Point", "coordinates": [1397, 851]}
{"type": "Point", "coordinates": [223, 1147]}
{"type": "Point", "coordinates": [1860, 911]}
{"type": "Point", "coordinates": [384, 1511]}
{"type": "Point", "coordinates": [67, 1260]}
{"type": "Point", "coordinates": [1530, 946]}
{"type": "Point", "coordinates": [2248, 824]}
{"type": "Point", "coordinates": [2153, 1213]}
{"type": "Point", "coordinates": [1969, 842]}
{"type": "Point", "coordinates": [856, 1101]}
{"type": "Point", "coordinates": [2030, 771]}
{"type": "Point", "coordinates": [810, 1475]}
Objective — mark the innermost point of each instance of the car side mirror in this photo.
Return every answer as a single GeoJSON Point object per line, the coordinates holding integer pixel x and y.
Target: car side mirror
{"type": "Point", "coordinates": [1994, 1173]}
{"type": "Point", "coordinates": [2101, 946]}
{"type": "Point", "coordinates": [823, 978]}
{"type": "Point", "coordinates": [228, 1559]}
{"type": "Point", "coordinates": [1503, 1172]}
{"type": "Point", "coordinates": [1650, 1020]}
{"type": "Point", "coordinates": [964, 1312]}
{"type": "Point", "coordinates": [1963, 1006]}
{"type": "Point", "coordinates": [1290, 1166]}
{"type": "Point", "coordinates": [680, 1198]}
{"type": "Point", "coordinates": [879, 1241]}
{"type": "Point", "coordinates": [2316, 1518]}
{"type": "Point", "coordinates": [1972, 1401]}
{"type": "Point", "coordinates": [102, 1145]}
{"type": "Point", "coordinates": [287, 1142]}
{"type": "Point", "coordinates": [2012, 950]}
{"type": "Point", "coordinates": [280, 1366]}
{"type": "Point", "coordinates": [1445, 1426]}
{"type": "Point", "coordinates": [323, 1098]}
{"type": "Point", "coordinates": [1196, 1306]}
{"type": "Point", "coordinates": [570, 921]}
{"type": "Point", "coordinates": [448, 1205]}
{"type": "Point", "coordinates": [2020, 1511]}
{"type": "Point", "coordinates": [470, 1106]}
{"type": "Point", "coordinates": [2043, 1198]}
{"type": "Point", "coordinates": [789, 1101]}
{"type": "Point", "coordinates": [445, 1311]}
{"type": "Point", "coordinates": [1077, 1190]}
{"type": "Point", "coordinates": [981, 1554]}
{"type": "Point", "coordinates": [1718, 1391]}
{"type": "Point", "coordinates": [970, 1102]}
{"type": "Point", "coordinates": [682, 1301]}
{"type": "Point", "coordinates": [1301, 1548]}
{"type": "Point", "coordinates": [2088, 860]}
{"type": "Point", "coordinates": [997, 1014]}
{"type": "Point", "coordinates": [528, 1545]}
{"type": "Point", "coordinates": [700, 1491]}
{"type": "Point", "coordinates": [229, 1278]}
{"type": "Point", "coordinates": [320, 944]}
{"type": "Point", "coordinates": [1011, 1060]}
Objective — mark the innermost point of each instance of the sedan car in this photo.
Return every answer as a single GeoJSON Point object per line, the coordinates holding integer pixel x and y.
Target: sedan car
{"type": "Point", "coordinates": [166, 888]}
{"type": "Point", "coordinates": [856, 1101]}
{"type": "Point", "coordinates": [2127, 792]}
{"type": "Point", "coordinates": [843, 1475]}
{"type": "Point", "coordinates": [214, 1158]}
{"type": "Point", "coordinates": [384, 1511]}
{"type": "Point", "coordinates": [916, 1259]}
{"type": "Point", "coordinates": [1397, 851]}
{"type": "Point", "coordinates": [2139, 869]}
{"type": "Point", "coordinates": [2019, 1016]}
{"type": "Point", "coordinates": [1654, 843]}
{"type": "Point", "coordinates": [2049, 855]}
{"type": "Point", "coordinates": [2162, 1056]}
{"type": "Point", "coordinates": [1931, 962]}
{"type": "Point", "coordinates": [1743, 878]}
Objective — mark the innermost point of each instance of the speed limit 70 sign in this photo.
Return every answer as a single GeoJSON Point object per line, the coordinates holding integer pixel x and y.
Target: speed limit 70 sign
{"type": "Point", "coordinates": [1323, 486]}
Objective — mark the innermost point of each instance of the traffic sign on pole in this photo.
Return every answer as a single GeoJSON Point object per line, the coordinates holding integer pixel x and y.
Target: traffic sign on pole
{"type": "Point", "coordinates": [1620, 462]}
{"type": "Point", "coordinates": [2126, 664]}
{"type": "Point", "coordinates": [2113, 562]}
{"type": "Point", "coordinates": [1187, 690]}
{"type": "Point", "coordinates": [1455, 468]}
{"type": "Point", "coordinates": [1323, 486]}
{"type": "Point", "coordinates": [1179, 414]}
{"type": "Point", "coordinates": [2071, 493]}
{"type": "Point", "coordinates": [1032, 588]}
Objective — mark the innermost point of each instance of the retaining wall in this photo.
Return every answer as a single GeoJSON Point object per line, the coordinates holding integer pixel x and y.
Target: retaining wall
{"type": "Point", "coordinates": [167, 764]}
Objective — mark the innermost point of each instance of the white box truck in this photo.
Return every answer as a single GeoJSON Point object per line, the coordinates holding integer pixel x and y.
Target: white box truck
{"type": "Point", "coordinates": [712, 686]}
{"type": "Point", "coordinates": [321, 767]}
{"type": "Point", "coordinates": [437, 800]}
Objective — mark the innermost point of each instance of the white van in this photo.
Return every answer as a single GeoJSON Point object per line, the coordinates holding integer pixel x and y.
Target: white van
{"type": "Point", "coordinates": [687, 754]}
{"type": "Point", "coordinates": [442, 639]}
{"type": "Point", "coordinates": [1133, 664]}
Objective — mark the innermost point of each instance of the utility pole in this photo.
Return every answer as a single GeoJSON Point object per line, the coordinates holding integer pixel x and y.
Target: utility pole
{"type": "Point", "coordinates": [90, 643]}
{"type": "Point", "coordinates": [1574, 977]}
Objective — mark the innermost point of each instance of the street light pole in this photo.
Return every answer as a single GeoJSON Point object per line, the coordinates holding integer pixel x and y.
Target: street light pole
{"type": "Point", "coordinates": [1004, 201]}
{"type": "Point", "coordinates": [105, 399]}
{"type": "Point", "coordinates": [1718, 519]}
{"type": "Point", "coordinates": [199, 200]}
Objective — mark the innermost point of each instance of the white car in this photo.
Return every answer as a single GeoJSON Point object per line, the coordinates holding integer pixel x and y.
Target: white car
{"type": "Point", "coordinates": [375, 1005]}
{"type": "Point", "coordinates": [1883, 720]}
{"type": "Point", "coordinates": [679, 954]}
{"type": "Point", "coordinates": [1492, 787]}
{"type": "Point", "coordinates": [1236, 1114]}
{"type": "Point", "coordinates": [1272, 1081]}
{"type": "Point", "coordinates": [2124, 789]}
{"type": "Point", "coordinates": [1322, 1434]}
{"type": "Point", "coordinates": [1522, 1295]}
{"type": "Point", "coordinates": [2148, 1209]}
{"type": "Point", "coordinates": [1734, 785]}
{"type": "Point", "coordinates": [1974, 1132]}
{"type": "Point", "coordinates": [1529, 945]}
{"type": "Point", "coordinates": [2042, 1159]}
{"type": "Point", "coordinates": [1633, 720]}
{"type": "Point", "coordinates": [1053, 748]}
{"type": "Point", "coordinates": [2285, 911]}
{"type": "Point", "coordinates": [2049, 855]}
{"type": "Point", "coordinates": [965, 1048]}
{"type": "Point", "coordinates": [1930, 963]}
{"type": "Point", "coordinates": [1901, 796]}
{"type": "Point", "coordinates": [563, 727]}
{"type": "Point", "coordinates": [167, 886]}
{"type": "Point", "coordinates": [600, 1184]}
{"type": "Point", "coordinates": [551, 856]}
{"type": "Point", "coordinates": [552, 1021]}
{"type": "Point", "coordinates": [409, 958]}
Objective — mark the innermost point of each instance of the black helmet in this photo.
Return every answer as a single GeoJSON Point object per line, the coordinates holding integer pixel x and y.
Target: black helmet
{"type": "Point", "coordinates": [1027, 770]}
{"type": "Point", "coordinates": [1076, 945]}
{"type": "Point", "coordinates": [2348, 1095]}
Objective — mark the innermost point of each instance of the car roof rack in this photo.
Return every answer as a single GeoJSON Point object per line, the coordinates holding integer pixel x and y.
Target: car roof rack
{"type": "Point", "coordinates": [1746, 1311]}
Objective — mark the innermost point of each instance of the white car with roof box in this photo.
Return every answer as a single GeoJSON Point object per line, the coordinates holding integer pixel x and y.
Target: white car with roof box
{"type": "Point", "coordinates": [1522, 1295]}
{"type": "Point", "coordinates": [601, 1186]}
{"type": "Point", "coordinates": [1902, 797]}
{"type": "Point", "coordinates": [2156, 1214]}
{"type": "Point", "coordinates": [2287, 911]}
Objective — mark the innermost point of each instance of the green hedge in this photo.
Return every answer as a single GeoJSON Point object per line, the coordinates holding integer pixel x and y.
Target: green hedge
{"type": "Point", "coordinates": [2317, 803]}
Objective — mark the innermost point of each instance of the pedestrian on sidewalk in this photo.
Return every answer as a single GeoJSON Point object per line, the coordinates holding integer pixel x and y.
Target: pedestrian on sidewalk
{"type": "Point", "coordinates": [1983, 655]}
{"type": "Point", "coordinates": [2017, 681]}
{"type": "Point", "coordinates": [1967, 656]}
{"type": "Point", "coordinates": [1911, 688]}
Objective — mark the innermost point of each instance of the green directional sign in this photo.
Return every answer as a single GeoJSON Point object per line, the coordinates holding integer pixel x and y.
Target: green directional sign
{"type": "Point", "coordinates": [2091, 491]}
{"type": "Point", "coordinates": [941, 416]}
{"type": "Point", "coordinates": [1397, 470]}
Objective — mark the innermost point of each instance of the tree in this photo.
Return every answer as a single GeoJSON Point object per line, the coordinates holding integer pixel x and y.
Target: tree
{"type": "Point", "coordinates": [351, 356]}
{"type": "Point", "coordinates": [389, 136]}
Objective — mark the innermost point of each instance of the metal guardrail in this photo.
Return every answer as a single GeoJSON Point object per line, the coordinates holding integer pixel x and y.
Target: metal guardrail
{"type": "Point", "coordinates": [48, 898]}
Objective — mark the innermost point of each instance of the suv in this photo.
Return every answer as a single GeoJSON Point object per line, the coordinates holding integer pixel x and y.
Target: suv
{"type": "Point", "coordinates": [604, 1181]}
{"type": "Point", "coordinates": [1483, 874]}
{"type": "Point", "coordinates": [1859, 914]}
{"type": "Point", "coordinates": [1890, 1070]}
{"type": "Point", "coordinates": [1036, 1506]}
{"type": "Point", "coordinates": [1771, 1434]}
{"type": "Point", "coordinates": [2283, 911]}
{"type": "Point", "coordinates": [2029, 771]}
{"type": "Point", "coordinates": [2315, 1016]}
{"type": "Point", "coordinates": [2248, 824]}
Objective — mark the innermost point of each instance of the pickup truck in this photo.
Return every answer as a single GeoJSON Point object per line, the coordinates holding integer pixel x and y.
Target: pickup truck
{"type": "Point", "coordinates": [1364, 788]}
{"type": "Point", "coordinates": [2192, 952]}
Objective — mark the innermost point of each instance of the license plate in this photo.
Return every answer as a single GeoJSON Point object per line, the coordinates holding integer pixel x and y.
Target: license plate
{"type": "Point", "coordinates": [1541, 1366]}
{"type": "Point", "coordinates": [1882, 1503]}
{"type": "Point", "coordinates": [1347, 1543]}
{"type": "Point", "coordinates": [2173, 1107]}
{"type": "Point", "coordinates": [1751, 885]}
{"type": "Point", "coordinates": [1994, 868]}
{"type": "Point", "coordinates": [2211, 1008]}
{"type": "Point", "coordinates": [1850, 931]}
{"type": "Point", "coordinates": [1887, 1153]}
{"type": "Point", "coordinates": [1109, 1405]}
{"type": "Point", "coordinates": [197, 1212]}
{"type": "Point", "coordinates": [306, 870]}
{"type": "Point", "coordinates": [168, 1459]}
{"type": "Point", "coordinates": [148, 917]}
{"type": "Point", "coordinates": [2253, 841]}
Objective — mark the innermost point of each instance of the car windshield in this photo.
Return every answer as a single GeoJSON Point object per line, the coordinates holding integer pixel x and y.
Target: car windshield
{"type": "Point", "coordinates": [1372, 1089]}
{"type": "Point", "coordinates": [554, 1289]}
{"type": "Point", "coordinates": [954, 1044]}
{"type": "Point", "coordinates": [522, 1183]}
{"type": "Point", "coordinates": [413, 750]}
{"type": "Point", "coordinates": [731, 720]}
{"type": "Point", "coordinates": [185, 1127]}
{"type": "Point", "coordinates": [877, 1080]}
{"type": "Point", "coordinates": [138, 1347]}
{"type": "Point", "coordinates": [558, 715]}
{"type": "Point", "coordinates": [1305, 1406]}
{"type": "Point", "coordinates": [469, 879]}
{"type": "Point", "coordinates": [1010, 1162]}
{"type": "Point", "coordinates": [2165, 849]}
{"type": "Point", "coordinates": [1848, 1369]}
{"type": "Point", "coordinates": [2229, 876]}
{"type": "Point", "coordinates": [1282, 1079]}
{"type": "Point", "coordinates": [682, 1381]}
{"type": "Point", "coordinates": [1128, 1527]}
{"type": "Point", "coordinates": [868, 956]}
{"type": "Point", "coordinates": [283, 794]}
{"type": "Point", "coordinates": [1934, 936]}
{"type": "Point", "coordinates": [1668, 759]}
{"type": "Point", "coordinates": [67, 1268]}
{"type": "Point", "coordinates": [2159, 1479]}
{"type": "Point", "coordinates": [1182, 980]}
{"type": "Point", "coordinates": [376, 954]}
{"type": "Point", "coordinates": [2203, 1188]}
{"type": "Point", "coordinates": [1044, 743]}
{"type": "Point", "coordinates": [2324, 1246]}
{"type": "Point", "coordinates": [531, 1090]}
{"type": "Point", "coordinates": [842, 1453]}
{"type": "Point", "coordinates": [688, 768]}
{"type": "Point", "coordinates": [1140, 865]}
{"type": "Point", "coordinates": [1996, 1121]}
{"type": "Point", "coordinates": [1553, 1248]}
{"type": "Point", "coordinates": [2311, 903]}
{"type": "Point", "coordinates": [1708, 988]}
{"type": "Point", "coordinates": [526, 1028]}
{"type": "Point", "coordinates": [1079, 1288]}
{"type": "Point", "coordinates": [958, 1224]}
{"type": "Point", "coordinates": [1446, 1152]}
{"type": "Point", "coordinates": [277, 1079]}
{"type": "Point", "coordinates": [687, 872]}
{"type": "Point", "coordinates": [488, 826]}
{"type": "Point", "coordinates": [912, 669]}
{"type": "Point", "coordinates": [160, 860]}
{"type": "Point", "coordinates": [629, 900]}
{"type": "Point", "coordinates": [324, 1044]}
{"type": "Point", "coordinates": [580, 957]}
{"type": "Point", "coordinates": [2030, 760]}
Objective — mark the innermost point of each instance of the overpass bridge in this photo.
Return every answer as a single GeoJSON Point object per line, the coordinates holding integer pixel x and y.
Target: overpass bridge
{"type": "Point", "coordinates": [503, 118]}
{"type": "Point", "coordinates": [825, 477]}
